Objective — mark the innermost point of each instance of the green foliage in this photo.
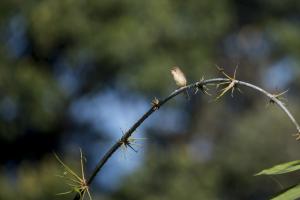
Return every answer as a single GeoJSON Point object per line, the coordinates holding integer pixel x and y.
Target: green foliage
{"type": "Point", "coordinates": [139, 38]}
{"type": "Point", "coordinates": [170, 175]}
{"type": "Point", "coordinates": [33, 181]}
{"type": "Point", "coordinates": [281, 168]}
{"type": "Point", "coordinates": [292, 192]}
{"type": "Point", "coordinates": [36, 96]}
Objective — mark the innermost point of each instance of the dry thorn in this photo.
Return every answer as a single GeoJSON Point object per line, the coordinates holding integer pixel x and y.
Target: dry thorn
{"type": "Point", "coordinates": [231, 83]}
{"type": "Point", "coordinates": [155, 103]}
{"type": "Point", "coordinates": [200, 86]}
{"type": "Point", "coordinates": [278, 96]}
{"type": "Point", "coordinates": [129, 142]}
{"type": "Point", "coordinates": [297, 135]}
{"type": "Point", "coordinates": [78, 184]}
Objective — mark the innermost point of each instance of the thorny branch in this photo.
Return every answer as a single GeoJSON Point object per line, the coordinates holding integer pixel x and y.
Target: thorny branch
{"type": "Point", "coordinates": [200, 85]}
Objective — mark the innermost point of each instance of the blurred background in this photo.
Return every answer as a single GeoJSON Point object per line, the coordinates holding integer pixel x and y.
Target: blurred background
{"type": "Point", "coordinates": [76, 74]}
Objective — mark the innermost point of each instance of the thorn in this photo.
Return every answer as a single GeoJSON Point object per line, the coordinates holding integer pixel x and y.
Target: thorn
{"type": "Point", "coordinates": [235, 70]}
{"type": "Point", "coordinates": [240, 91]}
{"type": "Point", "coordinates": [128, 142]}
{"type": "Point", "coordinates": [224, 90]}
{"type": "Point", "coordinates": [202, 87]}
{"type": "Point", "coordinates": [196, 91]}
{"type": "Point", "coordinates": [231, 83]}
{"type": "Point", "coordinates": [155, 103]}
{"type": "Point", "coordinates": [221, 70]}
{"type": "Point", "coordinates": [297, 135]}
{"type": "Point", "coordinates": [132, 148]}
{"type": "Point", "coordinates": [75, 181]}
{"type": "Point", "coordinates": [186, 93]}
{"type": "Point", "coordinates": [278, 96]}
{"type": "Point", "coordinates": [232, 90]}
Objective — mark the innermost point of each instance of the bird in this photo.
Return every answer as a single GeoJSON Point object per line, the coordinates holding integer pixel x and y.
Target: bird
{"type": "Point", "coordinates": [179, 78]}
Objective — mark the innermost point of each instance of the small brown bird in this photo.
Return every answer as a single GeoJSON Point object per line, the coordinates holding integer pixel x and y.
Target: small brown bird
{"type": "Point", "coordinates": [179, 78]}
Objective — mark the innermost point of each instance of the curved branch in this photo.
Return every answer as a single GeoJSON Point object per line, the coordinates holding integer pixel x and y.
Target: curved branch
{"type": "Point", "coordinates": [158, 104]}
{"type": "Point", "coordinates": [274, 99]}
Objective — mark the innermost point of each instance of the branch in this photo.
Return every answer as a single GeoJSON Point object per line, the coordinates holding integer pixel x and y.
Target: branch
{"type": "Point", "coordinates": [276, 100]}
{"type": "Point", "coordinates": [156, 104]}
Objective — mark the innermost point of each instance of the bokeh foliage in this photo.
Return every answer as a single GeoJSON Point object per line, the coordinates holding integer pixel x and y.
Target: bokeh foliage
{"type": "Point", "coordinates": [132, 44]}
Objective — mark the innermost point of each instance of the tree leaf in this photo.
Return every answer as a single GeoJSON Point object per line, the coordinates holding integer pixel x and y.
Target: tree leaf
{"type": "Point", "coordinates": [281, 168]}
{"type": "Point", "coordinates": [290, 194]}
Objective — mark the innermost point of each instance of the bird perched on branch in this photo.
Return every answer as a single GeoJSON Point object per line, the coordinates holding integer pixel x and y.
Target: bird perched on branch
{"type": "Point", "coordinates": [179, 78]}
